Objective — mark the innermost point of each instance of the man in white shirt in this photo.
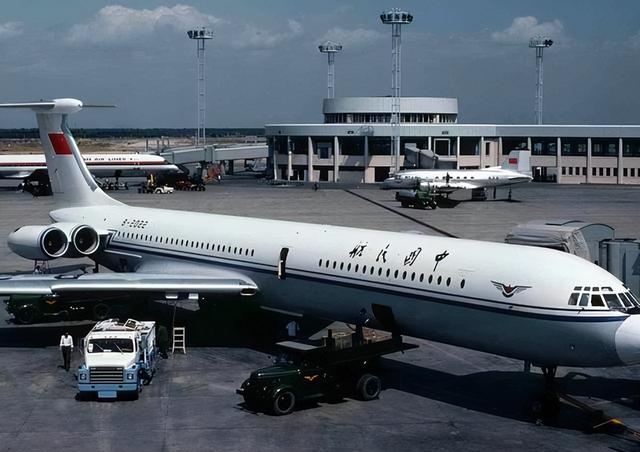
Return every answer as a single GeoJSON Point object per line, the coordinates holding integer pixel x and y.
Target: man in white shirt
{"type": "Point", "coordinates": [66, 345]}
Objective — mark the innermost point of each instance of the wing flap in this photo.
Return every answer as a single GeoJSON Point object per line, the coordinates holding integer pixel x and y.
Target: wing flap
{"type": "Point", "coordinates": [124, 282]}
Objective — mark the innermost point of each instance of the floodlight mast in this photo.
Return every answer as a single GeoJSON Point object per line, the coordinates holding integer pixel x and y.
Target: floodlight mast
{"type": "Point", "coordinates": [539, 43]}
{"type": "Point", "coordinates": [330, 48]}
{"type": "Point", "coordinates": [200, 35]}
{"type": "Point", "coordinates": [396, 18]}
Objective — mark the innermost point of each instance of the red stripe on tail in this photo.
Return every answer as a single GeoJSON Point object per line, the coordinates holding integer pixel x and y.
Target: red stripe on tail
{"type": "Point", "coordinates": [60, 144]}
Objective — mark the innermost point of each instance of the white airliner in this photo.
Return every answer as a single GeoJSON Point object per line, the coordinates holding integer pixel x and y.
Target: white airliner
{"type": "Point", "coordinates": [21, 166]}
{"type": "Point", "coordinates": [515, 170]}
{"type": "Point", "coordinates": [539, 305]}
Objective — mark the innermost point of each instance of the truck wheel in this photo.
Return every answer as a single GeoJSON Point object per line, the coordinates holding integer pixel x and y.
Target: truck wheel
{"type": "Point", "coordinates": [284, 402]}
{"type": "Point", "coordinates": [28, 314]}
{"type": "Point", "coordinates": [100, 311]}
{"type": "Point", "coordinates": [368, 387]}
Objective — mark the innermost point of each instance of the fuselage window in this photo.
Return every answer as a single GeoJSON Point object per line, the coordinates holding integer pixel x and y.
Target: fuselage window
{"type": "Point", "coordinates": [439, 279]}
{"type": "Point", "coordinates": [587, 289]}
{"type": "Point", "coordinates": [334, 264]}
{"type": "Point", "coordinates": [388, 272]}
{"type": "Point", "coordinates": [356, 268]}
{"type": "Point", "coordinates": [421, 277]}
{"type": "Point", "coordinates": [596, 300]}
{"type": "Point", "coordinates": [448, 282]}
{"type": "Point", "coordinates": [395, 274]}
{"type": "Point", "coordinates": [223, 248]}
{"type": "Point", "coordinates": [235, 250]}
{"type": "Point", "coordinates": [326, 264]}
{"type": "Point", "coordinates": [430, 279]}
{"type": "Point", "coordinates": [573, 299]}
{"type": "Point", "coordinates": [252, 253]}
{"type": "Point", "coordinates": [404, 275]}
{"type": "Point", "coordinates": [181, 242]}
{"type": "Point", "coordinates": [413, 276]}
{"type": "Point", "coordinates": [364, 269]}
{"type": "Point", "coordinates": [218, 248]}
{"type": "Point", "coordinates": [320, 263]}
{"type": "Point", "coordinates": [341, 265]}
{"type": "Point", "coordinates": [577, 288]}
{"type": "Point", "coordinates": [348, 267]}
{"type": "Point", "coordinates": [371, 270]}
{"type": "Point", "coordinates": [462, 284]}
{"type": "Point", "coordinates": [380, 271]}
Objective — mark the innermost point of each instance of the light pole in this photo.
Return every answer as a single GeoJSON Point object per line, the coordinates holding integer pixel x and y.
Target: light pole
{"type": "Point", "coordinates": [396, 18]}
{"type": "Point", "coordinates": [200, 35]}
{"type": "Point", "coordinates": [330, 48]}
{"type": "Point", "coordinates": [539, 44]}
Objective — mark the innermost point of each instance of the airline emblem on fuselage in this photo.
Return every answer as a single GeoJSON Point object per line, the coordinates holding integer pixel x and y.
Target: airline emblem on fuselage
{"type": "Point", "coordinates": [509, 291]}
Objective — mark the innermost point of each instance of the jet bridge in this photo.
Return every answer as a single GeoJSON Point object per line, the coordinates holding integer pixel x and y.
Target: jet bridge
{"type": "Point", "coordinates": [182, 156]}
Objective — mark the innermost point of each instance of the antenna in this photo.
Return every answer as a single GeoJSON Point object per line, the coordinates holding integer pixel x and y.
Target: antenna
{"type": "Point", "coordinates": [330, 48]}
{"type": "Point", "coordinates": [200, 35]}
{"type": "Point", "coordinates": [396, 18]}
{"type": "Point", "coordinates": [539, 43]}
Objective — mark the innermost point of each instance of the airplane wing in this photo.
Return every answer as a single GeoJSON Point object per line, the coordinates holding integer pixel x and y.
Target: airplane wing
{"type": "Point", "coordinates": [223, 284]}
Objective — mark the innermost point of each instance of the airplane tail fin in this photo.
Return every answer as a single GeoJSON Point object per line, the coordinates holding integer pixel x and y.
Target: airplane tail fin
{"type": "Point", "coordinates": [71, 182]}
{"type": "Point", "coordinates": [519, 161]}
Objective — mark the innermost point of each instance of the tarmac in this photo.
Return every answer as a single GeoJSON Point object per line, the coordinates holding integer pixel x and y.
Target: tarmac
{"type": "Point", "coordinates": [436, 397]}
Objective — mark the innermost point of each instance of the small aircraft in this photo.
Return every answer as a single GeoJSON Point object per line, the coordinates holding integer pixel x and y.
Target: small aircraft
{"type": "Point", "coordinates": [515, 170]}
{"type": "Point", "coordinates": [22, 166]}
{"type": "Point", "coordinates": [538, 305]}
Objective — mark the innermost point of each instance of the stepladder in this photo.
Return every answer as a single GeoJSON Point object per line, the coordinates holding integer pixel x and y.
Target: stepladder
{"type": "Point", "coordinates": [179, 340]}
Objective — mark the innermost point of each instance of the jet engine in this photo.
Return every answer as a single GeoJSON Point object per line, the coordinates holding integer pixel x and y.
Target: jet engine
{"type": "Point", "coordinates": [53, 241]}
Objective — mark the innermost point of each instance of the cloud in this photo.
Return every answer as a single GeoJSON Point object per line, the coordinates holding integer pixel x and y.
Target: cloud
{"type": "Point", "coordinates": [118, 24]}
{"type": "Point", "coordinates": [252, 37]}
{"type": "Point", "coordinates": [524, 28]}
{"type": "Point", "coordinates": [351, 38]}
{"type": "Point", "coordinates": [10, 29]}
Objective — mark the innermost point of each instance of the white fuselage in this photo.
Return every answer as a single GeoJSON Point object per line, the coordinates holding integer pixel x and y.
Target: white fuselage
{"type": "Point", "coordinates": [436, 288]}
{"type": "Point", "coordinates": [20, 166]}
{"type": "Point", "coordinates": [458, 179]}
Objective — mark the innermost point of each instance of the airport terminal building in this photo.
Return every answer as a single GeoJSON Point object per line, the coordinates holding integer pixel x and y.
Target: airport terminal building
{"type": "Point", "coordinates": [354, 144]}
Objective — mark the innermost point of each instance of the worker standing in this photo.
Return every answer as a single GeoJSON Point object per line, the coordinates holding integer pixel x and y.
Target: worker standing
{"type": "Point", "coordinates": [293, 329]}
{"type": "Point", "coordinates": [66, 345]}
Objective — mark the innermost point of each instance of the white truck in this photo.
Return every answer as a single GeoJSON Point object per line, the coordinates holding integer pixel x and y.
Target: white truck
{"type": "Point", "coordinates": [118, 358]}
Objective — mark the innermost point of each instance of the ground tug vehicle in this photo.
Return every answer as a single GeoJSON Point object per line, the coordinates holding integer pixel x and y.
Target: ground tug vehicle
{"type": "Point", "coordinates": [118, 358]}
{"type": "Point", "coordinates": [340, 367]}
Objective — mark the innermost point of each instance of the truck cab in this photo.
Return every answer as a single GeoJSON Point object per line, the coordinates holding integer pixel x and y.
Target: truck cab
{"type": "Point", "coordinates": [118, 358]}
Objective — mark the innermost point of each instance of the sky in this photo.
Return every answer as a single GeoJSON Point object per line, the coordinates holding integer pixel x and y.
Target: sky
{"type": "Point", "coordinates": [263, 65]}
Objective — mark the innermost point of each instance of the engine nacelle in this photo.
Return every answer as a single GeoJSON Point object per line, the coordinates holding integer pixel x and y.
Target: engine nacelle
{"type": "Point", "coordinates": [83, 239]}
{"type": "Point", "coordinates": [39, 242]}
{"type": "Point", "coordinates": [53, 241]}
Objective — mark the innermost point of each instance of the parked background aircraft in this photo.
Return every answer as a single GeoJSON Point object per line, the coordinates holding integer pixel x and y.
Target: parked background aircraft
{"type": "Point", "coordinates": [22, 166]}
{"type": "Point", "coordinates": [534, 304]}
{"type": "Point", "coordinates": [515, 170]}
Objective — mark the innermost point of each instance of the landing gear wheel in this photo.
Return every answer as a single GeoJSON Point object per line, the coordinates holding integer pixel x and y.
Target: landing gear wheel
{"type": "Point", "coordinates": [368, 387]}
{"type": "Point", "coordinates": [100, 311]}
{"type": "Point", "coordinates": [28, 314]}
{"type": "Point", "coordinates": [284, 403]}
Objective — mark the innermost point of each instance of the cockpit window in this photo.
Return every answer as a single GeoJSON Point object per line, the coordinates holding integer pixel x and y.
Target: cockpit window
{"type": "Point", "coordinates": [596, 300]}
{"type": "Point", "coordinates": [584, 299]}
{"type": "Point", "coordinates": [573, 299]}
{"type": "Point", "coordinates": [612, 301]}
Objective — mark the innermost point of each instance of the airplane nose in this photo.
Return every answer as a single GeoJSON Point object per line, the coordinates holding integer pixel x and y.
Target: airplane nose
{"type": "Point", "coordinates": [627, 340]}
